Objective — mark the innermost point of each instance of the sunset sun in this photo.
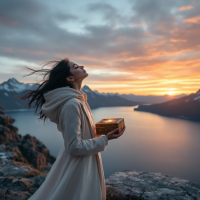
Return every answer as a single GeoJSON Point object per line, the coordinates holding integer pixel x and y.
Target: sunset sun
{"type": "Point", "coordinates": [171, 93]}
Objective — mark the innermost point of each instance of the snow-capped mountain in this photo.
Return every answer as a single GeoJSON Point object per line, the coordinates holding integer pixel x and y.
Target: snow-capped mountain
{"type": "Point", "coordinates": [106, 94]}
{"type": "Point", "coordinates": [187, 107]}
{"type": "Point", "coordinates": [195, 97]}
{"type": "Point", "coordinates": [9, 89]}
{"type": "Point", "coordinates": [12, 85]}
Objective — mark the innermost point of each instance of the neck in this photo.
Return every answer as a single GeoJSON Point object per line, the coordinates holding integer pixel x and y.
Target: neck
{"type": "Point", "coordinates": [77, 86]}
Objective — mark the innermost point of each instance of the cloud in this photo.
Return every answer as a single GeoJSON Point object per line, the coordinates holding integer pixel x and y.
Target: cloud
{"type": "Point", "coordinates": [186, 8]}
{"type": "Point", "coordinates": [148, 38]}
{"type": "Point", "coordinates": [110, 14]}
{"type": "Point", "coordinates": [64, 16]}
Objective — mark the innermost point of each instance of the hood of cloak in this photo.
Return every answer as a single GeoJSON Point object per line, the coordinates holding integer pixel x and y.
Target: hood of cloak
{"type": "Point", "coordinates": [56, 98]}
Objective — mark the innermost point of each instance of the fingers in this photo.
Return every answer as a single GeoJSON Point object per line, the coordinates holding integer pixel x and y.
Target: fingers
{"type": "Point", "coordinates": [112, 134]}
{"type": "Point", "coordinates": [118, 135]}
{"type": "Point", "coordinates": [122, 131]}
{"type": "Point", "coordinates": [115, 130]}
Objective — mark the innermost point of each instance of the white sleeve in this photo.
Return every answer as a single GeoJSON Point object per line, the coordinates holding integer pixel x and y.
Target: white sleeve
{"type": "Point", "coordinates": [74, 144]}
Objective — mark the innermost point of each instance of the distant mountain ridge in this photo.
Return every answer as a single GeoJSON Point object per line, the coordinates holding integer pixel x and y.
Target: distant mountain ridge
{"type": "Point", "coordinates": [187, 107]}
{"type": "Point", "coordinates": [12, 87]}
{"type": "Point", "coordinates": [96, 99]}
{"type": "Point", "coordinates": [147, 99]}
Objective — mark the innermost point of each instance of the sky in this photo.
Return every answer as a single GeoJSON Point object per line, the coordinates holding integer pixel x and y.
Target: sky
{"type": "Point", "coordinates": [143, 47]}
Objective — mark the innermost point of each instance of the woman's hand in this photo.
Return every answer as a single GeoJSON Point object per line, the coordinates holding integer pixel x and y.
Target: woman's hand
{"type": "Point", "coordinates": [111, 135]}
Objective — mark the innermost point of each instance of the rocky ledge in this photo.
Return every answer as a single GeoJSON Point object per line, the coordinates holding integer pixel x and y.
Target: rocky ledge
{"type": "Point", "coordinates": [141, 185]}
{"type": "Point", "coordinates": [25, 163]}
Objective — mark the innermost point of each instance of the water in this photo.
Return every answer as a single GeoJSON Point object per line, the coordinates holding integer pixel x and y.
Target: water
{"type": "Point", "coordinates": [150, 142]}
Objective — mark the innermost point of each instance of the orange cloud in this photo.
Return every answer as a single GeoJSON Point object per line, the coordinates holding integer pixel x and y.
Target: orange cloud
{"type": "Point", "coordinates": [185, 8]}
{"type": "Point", "coordinates": [140, 24]}
{"type": "Point", "coordinates": [195, 19]}
{"type": "Point", "coordinates": [174, 40]}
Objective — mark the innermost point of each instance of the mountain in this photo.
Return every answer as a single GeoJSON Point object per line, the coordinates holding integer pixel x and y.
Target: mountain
{"type": "Point", "coordinates": [187, 107]}
{"type": "Point", "coordinates": [12, 87]}
{"type": "Point", "coordinates": [96, 99]}
{"type": "Point", "coordinates": [9, 89]}
{"type": "Point", "coordinates": [149, 99]}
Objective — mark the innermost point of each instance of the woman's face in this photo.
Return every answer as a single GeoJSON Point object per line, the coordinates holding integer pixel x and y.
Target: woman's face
{"type": "Point", "coordinates": [78, 72]}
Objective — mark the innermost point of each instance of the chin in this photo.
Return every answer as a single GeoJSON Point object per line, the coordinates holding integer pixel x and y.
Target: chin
{"type": "Point", "coordinates": [86, 75]}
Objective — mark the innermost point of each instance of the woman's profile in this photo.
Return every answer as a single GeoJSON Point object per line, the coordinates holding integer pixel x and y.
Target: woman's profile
{"type": "Point", "coordinates": [77, 173]}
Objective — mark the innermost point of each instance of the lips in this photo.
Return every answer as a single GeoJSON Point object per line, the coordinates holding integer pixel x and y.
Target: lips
{"type": "Point", "coordinates": [84, 70]}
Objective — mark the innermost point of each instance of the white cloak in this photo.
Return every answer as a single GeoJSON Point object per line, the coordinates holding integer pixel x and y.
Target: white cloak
{"type": "Point", "coordinates": [77, 173]}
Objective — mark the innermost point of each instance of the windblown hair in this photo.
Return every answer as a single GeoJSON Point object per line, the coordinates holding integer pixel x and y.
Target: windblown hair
{"type": "Point", "coordinates": [56, 78]}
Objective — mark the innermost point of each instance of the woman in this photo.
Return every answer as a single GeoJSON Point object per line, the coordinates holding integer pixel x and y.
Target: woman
{"type": "Point", "coordinates": [77, 173]}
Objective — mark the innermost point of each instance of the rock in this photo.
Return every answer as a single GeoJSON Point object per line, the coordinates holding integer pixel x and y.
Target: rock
{"type": "Point", "coordinates": [3, 129]}
{"type": "Point", "coordinates": [34, 173]}
{"type": "Point", "coordinates": [47, 168]}
{"type": "Point", "coordinates": [5, 120]}
{"type": "Point", "coordinates": [16, 169]}
{"type": "Point", "coordinates": [13, 184]}
{"type": "Point", "coordinates": [12, 128]}
{"type": "Point", "coordinates": [2, 111]}
{"type": "Point", "coordinates": [8, 135]}
{"type": "Point", "coordinates": [20, 161]}
{"type": "Point", "coordinates": [37, 182]}
{"type": "Point", "coordinates": [35, 151]}
{"type": "Point", "coordinates": [13, 195]}
{"type": "Point", "coordinates": [9, 153]}
{"type": "Point", "coordinates": [27, 149]}
{"type": "Point", "coordinates": [141, 185]}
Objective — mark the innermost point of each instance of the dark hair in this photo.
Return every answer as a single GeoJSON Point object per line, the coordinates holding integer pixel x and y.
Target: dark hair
{"type": "Point", "coordinates": [56, 78]}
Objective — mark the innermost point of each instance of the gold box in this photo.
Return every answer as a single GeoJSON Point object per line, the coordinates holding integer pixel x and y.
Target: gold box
{"type": "Point", "coordinates": [107, 125]}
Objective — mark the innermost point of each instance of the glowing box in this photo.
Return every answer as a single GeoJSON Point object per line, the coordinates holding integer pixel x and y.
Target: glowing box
{"type": "Point", "coordinates": [107, 125]}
